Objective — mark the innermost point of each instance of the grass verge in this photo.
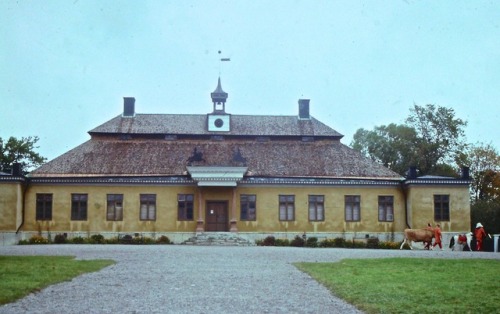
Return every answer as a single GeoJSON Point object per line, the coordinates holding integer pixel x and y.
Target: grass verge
{"type": "Point", "coordinates": [21, 275]}
{"type": "Point", "coordinates": [408, 285]}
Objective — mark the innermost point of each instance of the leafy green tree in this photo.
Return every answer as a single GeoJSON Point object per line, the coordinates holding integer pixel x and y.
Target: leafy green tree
{"type": "Point", "coordinates": [20, 151]}
{"type": "Point", "coordinates": [389, 145]}
{"type": "Point", "coordinates": [440, 136]}
{"type": "Point", "coordinates": [484, 163]}
{"type": "Point", "coordinates": [430, 140]}
{"type": "Point", "coordinates": [488, 213]}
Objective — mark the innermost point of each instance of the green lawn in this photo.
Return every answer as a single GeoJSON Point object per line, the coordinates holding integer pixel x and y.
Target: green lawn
{"type": "Point", "coordinates": [408, 285]}
{"type": "Point", "coordinates": [21, 275]}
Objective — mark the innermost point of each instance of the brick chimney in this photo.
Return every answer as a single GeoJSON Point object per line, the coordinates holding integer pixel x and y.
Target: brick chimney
{"type": "Point", "coordinates": [465, 173]}
{"type": "Point", "coordinates": [412, 173]}
{"type": "Point", "coordinates": [304, 109]}
{"type": "Point", "coordinates": [17, 169]}
{"type": "Point", "coordinates": [128, 107]}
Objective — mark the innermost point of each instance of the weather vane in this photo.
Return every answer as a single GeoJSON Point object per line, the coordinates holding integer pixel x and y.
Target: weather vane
{"type": "Point", "coordinates": [222, 60]}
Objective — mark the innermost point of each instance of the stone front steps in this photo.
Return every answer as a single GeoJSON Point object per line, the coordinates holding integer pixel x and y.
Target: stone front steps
{"type": "Point", "coordinates": [218, 239]}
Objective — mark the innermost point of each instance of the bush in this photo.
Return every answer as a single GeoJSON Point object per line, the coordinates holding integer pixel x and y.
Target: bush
{"type": "Point", "coordinates": [38, 239]}
{"type": "Point", "coordinates": [269, 241]}
{"type": "Point", "coordinates": [78, 240]}
{"type": "Point", "coordinates": [298, 241]}
{"type": "Point", "coordinates": [126, 239]}
{"type": "Point", "coordinates": [142, 240]}
{"type": "Point", "coordinates": [327, 243]}
{"type": "Point", "coordinates": [23, 242]}
{"type": "Point", "coordinates": [312, 242]}
{"type": "Point", "coordinates": [113, 240]}
{"type": "Point", "coordinates": [339, 242]}
{"type": "Point", "coordinates": [147, 240]}
{"type": "Point", "coordinates": [59, 239]}
{"type": "Point", "coordinates": [163, 240]}
{"type": "Point", "coordinates": [137, 240]}
{"type": "Point", "coordinates": [372, 243]}
{"type": "Point", "coordinates": [282, 242]}
{"type": "Point", "coordinates": [356, 244]}
{"type": "Point", "coordinates": [97, 239]}
{"type": "Point", "coordinates": [390, 245]}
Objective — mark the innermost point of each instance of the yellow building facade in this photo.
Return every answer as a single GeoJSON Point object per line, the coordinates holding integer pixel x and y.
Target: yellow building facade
{"type": "Point", "coordinates": [182, 175]}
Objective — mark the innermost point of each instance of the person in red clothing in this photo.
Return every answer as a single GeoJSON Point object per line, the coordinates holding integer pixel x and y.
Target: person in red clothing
{"type": "Point", "coordinates": [480, 234]}
{"type": "Point", "coordinates": [428, 244]}
{"type": "Point", "coordinates": [437, 237]}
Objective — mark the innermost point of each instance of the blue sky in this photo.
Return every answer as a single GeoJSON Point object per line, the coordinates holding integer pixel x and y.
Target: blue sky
{"type": "Point", "coordinates": [66, 65]}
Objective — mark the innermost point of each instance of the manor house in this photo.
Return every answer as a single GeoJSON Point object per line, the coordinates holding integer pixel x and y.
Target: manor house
{"type": "Point", "coordinates": [252, 175]}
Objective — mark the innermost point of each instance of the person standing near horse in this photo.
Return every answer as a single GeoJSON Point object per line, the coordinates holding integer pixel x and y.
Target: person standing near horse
{"type": "Point", "coordinates": [437, 237]}
{"type": "Point", "coordinates": [428, 244]}
{"type": "Point", "coordinates": [480, 234]}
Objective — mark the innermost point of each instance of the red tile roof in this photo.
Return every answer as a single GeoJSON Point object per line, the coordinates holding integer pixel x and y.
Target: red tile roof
{"type": "Point", "coordinates": [241, 125]}
{"type": "Point", "coordinates": [150, 157]}
{"type": "Point", "coordinates": [164, 144]}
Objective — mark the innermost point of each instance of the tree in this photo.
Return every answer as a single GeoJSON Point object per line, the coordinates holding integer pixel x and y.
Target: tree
{"type": "Point", "coordinates": [440, 136]}
{"type": "Point", "coordinates": [487, 212]}
{"type": "Point", "coordinates": [484, 163]}
{"type": "Point", "coordinates": [20, 151]}
{"type": "Point", "coordinates": [389, 145]}
{"type": "Point", "coordinates": [430, 140]}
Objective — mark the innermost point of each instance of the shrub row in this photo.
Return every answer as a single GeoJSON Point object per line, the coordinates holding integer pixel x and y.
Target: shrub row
{"type": "Point", "coordinates": [298, 241]}
{"type": "Point", "coordinates": [96, 239]}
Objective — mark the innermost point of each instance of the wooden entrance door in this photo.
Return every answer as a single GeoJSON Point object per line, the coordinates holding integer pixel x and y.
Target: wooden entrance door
{"type": "Point", "coordinates": [216, 216]}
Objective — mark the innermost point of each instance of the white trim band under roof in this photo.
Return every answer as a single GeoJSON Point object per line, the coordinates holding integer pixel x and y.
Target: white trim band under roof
{"type": "Point", "coordinates": [216, 176]}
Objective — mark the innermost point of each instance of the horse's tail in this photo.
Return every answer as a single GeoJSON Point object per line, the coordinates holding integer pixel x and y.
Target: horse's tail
{"type": "Point", "coordinates": [452, 242]}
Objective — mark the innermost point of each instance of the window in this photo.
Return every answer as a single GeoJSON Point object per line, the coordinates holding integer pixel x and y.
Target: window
{"type": "Point", "coordinates": [352, 208]}
{"type": "Point", "coordinates": [114, 210]}
{"type": "Point", "coordinates": [148, 207]}
{"type": "Point", "coordinates": [287, 207]}
{"type": "Point", "coordinates": [185, 206]}
{"type": "Point", "coordinates": [316, 208]}
{"type": "Point", "coordinates": [248, 209]}
{"type": "Point", "coordinates": [78, 206]}
{"type": "Point", "coordinates": [441, 207]}
{"type": "Point", "coordinates": [386, 208]}
{"type": "Point", "coordinates": [44, 207]}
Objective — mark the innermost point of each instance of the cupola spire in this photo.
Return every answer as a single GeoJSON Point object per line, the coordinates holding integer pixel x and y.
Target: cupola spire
{"type": "Point", "coordinates": [219, 98]}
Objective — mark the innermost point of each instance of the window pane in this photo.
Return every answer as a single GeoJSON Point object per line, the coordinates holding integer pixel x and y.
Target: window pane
{"type": "Point", "coordinates": [441, 207]}
{"type": "Point", "coordinates": [320, 212]}
{"type": "Point", "coordinates": [110, 212]}
{"type": "Point", "coordinates": [385, 208]}
{"type": "Point", "coordinates": [185, 206]}
{"type": "Point", "coordinates": [114, 208]}
{"type": "Point", "coordinates": [119, 211]}
{"type": "Point", "coordinates": [247, 207]}
{"type": "Point", "coordinates": [78, 206]}
{"type": "Point", "coordinates": [348, 212]}
{"type": "Point", "coordinates": [352, 208]}
{"type": "Point", "coordinates": [148, 207]}
{"type": "Point", "coordinates": [290, 212]}
{"type": "Point", "coordinates": [286, 207]}
{"type": "Point", "coordinates": [316, 205]}
{"type": "Point", "coordinates": [43, 207]}
{"type": "Point", "coordinates": [312, 211]}
{"type": "Point", "coordinates": [282, 212]}
{"type": "Point", "coordinates": [355, 213]}
{"type": "Point", "coordinates": [144, 212]}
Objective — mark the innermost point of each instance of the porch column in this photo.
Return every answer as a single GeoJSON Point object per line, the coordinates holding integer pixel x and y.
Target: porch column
{"type": "Point", "coordinates": [199, 225]}
{"type": "Point", "coordinates": [233, 227]}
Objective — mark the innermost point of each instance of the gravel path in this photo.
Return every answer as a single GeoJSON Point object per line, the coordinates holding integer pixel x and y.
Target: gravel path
{"type": "Point", "coordinates": [197, 279]}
